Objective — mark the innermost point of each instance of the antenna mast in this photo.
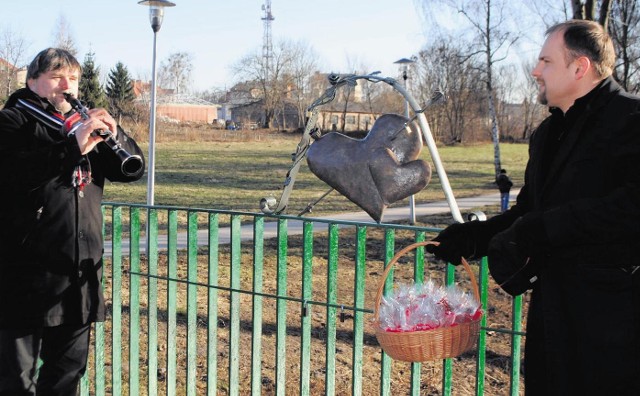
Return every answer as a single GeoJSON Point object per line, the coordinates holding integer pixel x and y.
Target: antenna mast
{"type": "Point", "coordinates": [267, 44]}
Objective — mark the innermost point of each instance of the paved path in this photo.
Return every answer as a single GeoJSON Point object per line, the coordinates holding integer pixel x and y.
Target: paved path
{"type": "Point", "coordinates": [294, 227]}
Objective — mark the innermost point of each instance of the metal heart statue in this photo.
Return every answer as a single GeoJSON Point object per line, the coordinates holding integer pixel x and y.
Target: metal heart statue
{"type": "Point", "coordinates": [375, 171]}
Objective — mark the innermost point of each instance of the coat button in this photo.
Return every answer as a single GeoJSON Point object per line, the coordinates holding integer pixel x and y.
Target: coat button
{"type": "Point", "coordinates": [81, 234]}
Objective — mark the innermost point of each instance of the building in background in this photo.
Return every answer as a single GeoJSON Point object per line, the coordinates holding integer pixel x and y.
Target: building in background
{"type": "Point", "coordinates": [177, 107]}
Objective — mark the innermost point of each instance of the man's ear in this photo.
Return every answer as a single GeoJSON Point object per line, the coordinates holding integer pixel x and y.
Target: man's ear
{"type": "Point", "coordinates": [583, 65]}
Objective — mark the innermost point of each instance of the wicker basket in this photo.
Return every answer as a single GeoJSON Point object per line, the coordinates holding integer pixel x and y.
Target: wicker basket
{"type": "Point", "coordinates": [434, 344]}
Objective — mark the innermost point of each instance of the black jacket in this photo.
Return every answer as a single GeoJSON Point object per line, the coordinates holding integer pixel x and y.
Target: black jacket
{"type": "Point", "coordinates": [50, 232]}
{"type": "Point", "coordinates": [583, 175]}
{"type": "Point", "coordinates": [504, 183]}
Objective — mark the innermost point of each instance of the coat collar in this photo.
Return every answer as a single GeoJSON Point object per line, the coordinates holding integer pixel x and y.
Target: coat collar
{"type": "Point", "coordinates": [28, 95]}
{"type": "Point", "coordinates": [39, 108]}
{"type": "Point", "coordinates": [578, 114]}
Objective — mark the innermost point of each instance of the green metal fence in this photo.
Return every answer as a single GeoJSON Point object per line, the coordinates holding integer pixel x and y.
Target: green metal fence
{"type": "Point", "coordinates": [233, 303]}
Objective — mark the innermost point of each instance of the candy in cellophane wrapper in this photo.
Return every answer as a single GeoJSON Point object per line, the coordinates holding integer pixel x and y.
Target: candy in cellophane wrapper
{"type": "Point", "coordinates": [426, 306]}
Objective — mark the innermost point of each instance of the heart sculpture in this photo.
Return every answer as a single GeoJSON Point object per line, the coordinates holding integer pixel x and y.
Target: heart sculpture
{"type": "Point", "coordinates": [375, 171]}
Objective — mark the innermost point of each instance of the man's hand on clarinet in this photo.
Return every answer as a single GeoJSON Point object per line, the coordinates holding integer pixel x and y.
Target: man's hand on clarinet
{"type": "Point", "coordinates": [99, 120]}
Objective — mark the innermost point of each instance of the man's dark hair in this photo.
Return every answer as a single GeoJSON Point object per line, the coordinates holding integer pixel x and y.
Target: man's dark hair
{"type": "Point", "coordinates": [587, 38]}
{"type": "Point", "coordinates": [52, 59]}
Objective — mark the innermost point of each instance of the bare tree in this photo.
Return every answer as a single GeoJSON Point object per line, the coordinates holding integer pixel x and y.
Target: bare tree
{"type": "Point", "coordinates": [12, 49]}
{"type": "Point", "coordinates": [624, 28]}
{"type": "Point", "coordinates": [444, 65]}
{"type": "Point", "coordinates": [347, 94]}
{"type": "Point", "coordinates": [532, 111]}
{"type": "Point", "coordinates": [142, 105]}
{"type": "Point", "coordinates": [175, 72]}
{"type": "Point", "coordinates": [63, 36]}
{"type": "Point", "coordinates": [299, 71]}
{"type": "Point", "coordinates": [549, 12]}
{"type": "Point", "coordinates": [492, 41]}
{"type": "Point", "coordinates": [380, 98]}
{"type": "Point", "coordinates": [506, 110]}
{"type": "Point", "coordinates": [251, 69]}
{"type": "Point", "coordinates": [592, 10]}
{"type": "Point", "coordinates": [275, 83]}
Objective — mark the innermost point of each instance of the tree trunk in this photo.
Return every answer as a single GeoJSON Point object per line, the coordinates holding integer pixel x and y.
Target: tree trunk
{"type": "Point", "coordinates": [495, 129]}
{"type": "Point", "coordinates": [495, 132]}
{"type": "Point", "coordinates": [344, 116]}
{"type": "Point", "coordinates": [267, 118]}
{"type": "Point", "coordinates": [284, 116]}
{"type": "Point", "coordinates": [587, 10]}
{"type": "Point", "coordinates": [605, 10]}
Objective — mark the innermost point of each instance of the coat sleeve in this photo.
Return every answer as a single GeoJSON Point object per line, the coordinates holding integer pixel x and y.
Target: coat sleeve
{"type": "Point", "coordinates": [111, 163]}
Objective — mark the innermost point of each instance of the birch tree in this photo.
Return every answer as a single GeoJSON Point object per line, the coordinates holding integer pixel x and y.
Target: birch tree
{"type": "Point", "coordinates": [492, 40]}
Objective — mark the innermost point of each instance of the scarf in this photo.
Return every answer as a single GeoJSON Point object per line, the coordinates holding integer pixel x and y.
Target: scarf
{"type": "Point", "coordinates": [81, 175]}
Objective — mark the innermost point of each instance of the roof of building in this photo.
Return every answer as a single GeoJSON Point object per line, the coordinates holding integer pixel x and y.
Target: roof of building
{"type": "Point", "coordinates": [187, 99]}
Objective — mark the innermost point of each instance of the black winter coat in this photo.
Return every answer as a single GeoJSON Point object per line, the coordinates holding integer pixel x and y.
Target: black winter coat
{"type": "Point", "coordinates": [583, 327]}
{"type": "Point", "coordinates": [50, 232]}
{"type": "Point", "coordinates": [504, 183]}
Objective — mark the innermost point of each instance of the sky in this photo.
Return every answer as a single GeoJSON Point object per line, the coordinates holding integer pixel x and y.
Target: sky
{"type": "Point", "coordinates": [373, 33]}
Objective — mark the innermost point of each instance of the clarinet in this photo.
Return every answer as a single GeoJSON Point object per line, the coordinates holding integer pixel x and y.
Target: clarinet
{"type": "Point", "coordinates": [129, 164]}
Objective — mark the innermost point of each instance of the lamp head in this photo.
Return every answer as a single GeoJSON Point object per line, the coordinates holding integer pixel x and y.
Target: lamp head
{"type": "Point", "coordinates": [404, 65]}
{"type": "Point", "coordinates": [156, 12]}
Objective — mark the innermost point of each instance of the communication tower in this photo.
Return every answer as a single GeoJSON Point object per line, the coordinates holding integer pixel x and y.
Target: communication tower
{"type": "Point", "coordinates": [267, 45]}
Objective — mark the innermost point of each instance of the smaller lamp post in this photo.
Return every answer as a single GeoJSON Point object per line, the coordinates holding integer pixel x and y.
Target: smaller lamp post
{"type": "Point", "coordinates": [156, 14]}
{"type": "Point", "coordinates": [404, 66]}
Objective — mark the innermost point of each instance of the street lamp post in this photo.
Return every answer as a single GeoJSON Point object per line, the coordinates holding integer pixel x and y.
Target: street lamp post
{"type": "Point", "coordinates": [156, 13]}
{"type": "Point", "coordinates": [404, 65]}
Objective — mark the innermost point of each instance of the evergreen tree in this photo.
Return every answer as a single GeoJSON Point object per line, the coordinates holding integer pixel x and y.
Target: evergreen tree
{"type": "Point", "coordinates": [90, 90]}
{"type": "Point", "coordinates": [120, 92]}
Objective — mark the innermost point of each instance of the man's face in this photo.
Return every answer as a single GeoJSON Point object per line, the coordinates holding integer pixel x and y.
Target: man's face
{"type": "Point", "coordinates": [52, 84]}
{"type": "Point", "coordinates": [556, 78]}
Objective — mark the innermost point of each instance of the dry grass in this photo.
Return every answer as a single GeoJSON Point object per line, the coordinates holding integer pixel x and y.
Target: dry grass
{"type": "Point", "coordinates": [498, 352]}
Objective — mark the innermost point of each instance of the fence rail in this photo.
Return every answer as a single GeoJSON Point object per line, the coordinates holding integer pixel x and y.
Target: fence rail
{"type": "Point", "coordinates": [273, 311]}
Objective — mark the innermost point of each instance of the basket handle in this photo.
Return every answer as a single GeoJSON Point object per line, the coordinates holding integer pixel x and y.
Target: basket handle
{"type": "Point", "coordinates": [401, 253]}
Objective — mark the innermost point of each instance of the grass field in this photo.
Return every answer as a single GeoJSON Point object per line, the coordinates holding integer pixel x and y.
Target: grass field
{"type": "Point", "coordinates": [233, 170]}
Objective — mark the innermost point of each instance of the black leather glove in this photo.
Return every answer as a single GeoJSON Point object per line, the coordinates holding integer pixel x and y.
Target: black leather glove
{"type": "Point", "coordinates": [512, 254]}
{"type": "Point", "coordinates": [458, 240]}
